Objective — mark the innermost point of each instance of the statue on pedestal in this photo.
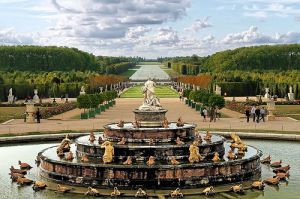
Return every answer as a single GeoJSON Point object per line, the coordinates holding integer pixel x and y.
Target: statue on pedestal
{"type": "Point", "coordinates": [10, 96]}
{"type": "Point", "coordinates": [108, 153]}
{"type": "Point", "coordinates": [267, 95]}
{"type": "Point", "coordinates": [36, 98]}
{"type": "Point", "coordinates": [82, 90]}
{"type": "Point", "coordinates": [151, 102]}
{"type": "Point", "coordinates": [218, 90]}
{"type": "Point", "coordinates": [291, 95]}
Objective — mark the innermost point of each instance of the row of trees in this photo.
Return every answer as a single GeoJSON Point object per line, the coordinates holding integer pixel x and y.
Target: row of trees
{"type": "Point", "coordinates": [277, 57]}
{"type": "Point", "coordinates": [88, 101]}
{"type": "Point", "coordinates": [49, 58]}
{"type": "Point", "coordinates": [206, 98]}
{"type": "Point", "coordinates": [202, 81]}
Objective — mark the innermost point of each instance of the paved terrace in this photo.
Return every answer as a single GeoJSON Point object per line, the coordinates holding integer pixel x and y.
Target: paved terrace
{"type": "Point", "coordinates": [123, 110]}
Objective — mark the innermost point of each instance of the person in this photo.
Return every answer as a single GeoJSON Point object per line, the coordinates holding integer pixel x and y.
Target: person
{"type": "Point", "coordinates": [247, 113]}
{"type": "Point", "coordinates": [204, 114]}
{"type": "Point", "coordinates": [218, 114]}
{"type": "Point", "coordinates": [38, 116]}
{"type": "Point", "coordinates": [253, 112]}
{"type": "Point", "coordinates": [262, 113]}
{"type": "Point", "coordinates": [257, 114]}
{"type": "Point", "coordinates": [25, 116]}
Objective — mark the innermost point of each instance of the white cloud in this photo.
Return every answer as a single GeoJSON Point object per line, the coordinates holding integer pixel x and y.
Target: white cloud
{"type": "Point", "coordinates": [9, 36]}
{"type": "Point", "coordinates": [199, 24]}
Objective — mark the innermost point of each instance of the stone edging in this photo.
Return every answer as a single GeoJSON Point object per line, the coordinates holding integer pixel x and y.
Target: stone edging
{"type": "Point", "coordinates": [56, 137]}
{"type": "Point", "coordinates": [266, 136]}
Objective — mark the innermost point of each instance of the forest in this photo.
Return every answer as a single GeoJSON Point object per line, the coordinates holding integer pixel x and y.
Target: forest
{"type": "Point", "coordinates": [247, 71]}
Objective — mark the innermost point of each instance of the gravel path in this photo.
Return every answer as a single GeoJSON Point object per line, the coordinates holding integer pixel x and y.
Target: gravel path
{"type": "Point", "coordinates": [123, 111]}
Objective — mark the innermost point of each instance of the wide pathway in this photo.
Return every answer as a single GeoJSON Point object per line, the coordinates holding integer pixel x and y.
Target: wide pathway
{"type": "Point", "coordinates": [152, 71]}
{"type": "Point", "coordinates": [123, 111]}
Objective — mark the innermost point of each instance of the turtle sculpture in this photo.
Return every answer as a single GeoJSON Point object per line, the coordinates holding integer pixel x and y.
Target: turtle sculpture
{"type": "Point", "coordinates": [260, 185]}
{"type": "Point", "coordinates": [209, 191]}
{"type": "Point", "coordinates": [39, 185]}
{"type": "Point", "coordinates": [176, 193]}
{"type": "Point", "coordinates": [92, 192]}
{"type": "Point", "coordinates": [237, 188]}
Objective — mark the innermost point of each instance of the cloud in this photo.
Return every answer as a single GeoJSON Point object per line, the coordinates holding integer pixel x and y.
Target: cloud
{"type": "Point", "coordinates": [113, 19]}
{"type": "Point", "coordinates": [165, 36]}
{"type": "Point", "coordinates": [199, 24]}
{"type": "Point", "coordinates": [9, 36]}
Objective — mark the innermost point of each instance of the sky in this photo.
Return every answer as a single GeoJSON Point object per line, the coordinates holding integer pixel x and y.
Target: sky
{"type": "Point", "coordinates": [149, 28]}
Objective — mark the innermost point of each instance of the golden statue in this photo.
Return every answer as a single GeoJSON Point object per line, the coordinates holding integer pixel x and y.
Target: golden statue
{"type": "Point", "coordinates": [84, 158]}
{"type": "Point", "coordinates": [216, 157]}
{"type": "Point", "coordinates": [69, 156]}
{"type": "Point", "coordinates": [135, 124]}
{"type": "Point", "coordinates": [122, 141]}
{"type": "Point", "coordinates": [194, 153]}
{"type": "Point", "coordinates": [165, 123]}
{"type": "Point", "coordinates": [108, 153]}
{"type": "Point", "coordinates": [174, 161]}
{"type": "Point", "coordinates": [128, 161]}
{"type": "Point", "coordinates": [235, 138]}
{"type": "Point", "coordinates": [231, 155]}
{"type": "Point", "coordinates": [121, 123]}
{"type": "Point", "coordinates": [180, 122]}
{"type": "Point", "coordinates": [207, 136]}
{"type": "Point", "coordinates": [92, 137]}
{"type": "Point", "coordinates": [64, 146]}
{"type": "Point", "coordinates": [151, 161]}
{"type": "Point", "coordinates": [178, 141]}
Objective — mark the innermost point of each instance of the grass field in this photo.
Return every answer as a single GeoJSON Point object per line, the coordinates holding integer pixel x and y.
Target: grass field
{"type": "Point", "coordinates": [161, 91]}
{"type": "Point", "coordinates": [7, 113]}
{"type": "Point", "coordinates": [130, 72]}
{"type": "Point", "coordinates": [292, 111]}
{"type": "Point", "coordinates": [149, 63]}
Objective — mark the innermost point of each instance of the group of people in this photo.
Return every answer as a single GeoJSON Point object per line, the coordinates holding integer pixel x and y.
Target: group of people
{"type": "Point", "coordinates": [211, 113]}
{"type": "Point", "coordinates": [257, 113]}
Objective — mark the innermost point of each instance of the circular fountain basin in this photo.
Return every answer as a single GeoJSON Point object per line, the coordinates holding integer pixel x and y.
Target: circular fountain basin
{"type": "Point", "coordinates": [163, 150]}
{"type": "Point", "coordinates": [114, 133]}
{"type": "Point", "coordinates": [162, 174]}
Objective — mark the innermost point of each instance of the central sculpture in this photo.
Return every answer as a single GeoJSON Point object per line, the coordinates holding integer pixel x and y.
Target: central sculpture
{"type": "Point", "coordinates": [151, 101]}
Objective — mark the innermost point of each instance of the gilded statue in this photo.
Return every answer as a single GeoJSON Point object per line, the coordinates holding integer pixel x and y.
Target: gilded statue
{"type": "Point", "coordinates": [64, 146]}
{"type": "Point", "coordinates": [194, 153]}
{"type": "Point", "coordinates": [122, 141]}
{"type": "Point", "coordinates": [108, 153]}
{"type": "Point", "coordinates": [151, 161]}
{"type": "Point", "coordinates": [165, 123]}
{"type": "Point", "coordinates": [235, 138]}
{"type": "Point", "coordinates": [178, 141]}
{"type": "Point", "coordinates": [216, 157]}
{"type": "Point", "coordinates": [92, 137]}
{"type": "Point", "coordinates": [121, 123]}
{"type": "Point", "coordinates": [128, 161]}
{"type": "Point", "coordinates": [207, 136]}
{"type": "Point", "coordinates": [180, 122]}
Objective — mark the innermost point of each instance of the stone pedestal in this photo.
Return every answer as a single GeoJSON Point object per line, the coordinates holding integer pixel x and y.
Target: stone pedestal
{"type": "Point", "coordinates": [271, 108]}
{"type": "Point", "coordinates": [271, 116]}
{"type": "Point", "coordinates": [291, 96]}
{"type": "Point", "coordinates": [150, 118]}
{"type": "Point", "coordinates": [218, 90]}
{"type": "Point", "coordinates": [10, 99]}
{"type": "Point", "coordinates": [30, 109]}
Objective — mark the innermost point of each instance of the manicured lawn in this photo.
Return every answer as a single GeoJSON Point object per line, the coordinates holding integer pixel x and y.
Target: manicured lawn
{"type": "Point", "coordinates": [128, 73]}
{"type": "Point", "coordinates": [149, 63]}
{"type": "Point", "coordinates": [7, 113]}
{"type": "Point", "coordinates": [287, 109]}
{"type": "Point", "coordinates": [161, 91]}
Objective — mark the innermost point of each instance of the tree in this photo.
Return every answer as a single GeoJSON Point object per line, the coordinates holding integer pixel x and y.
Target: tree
{"type": "Point", "coordinates": [83, 101]}
{"type": "Point", "coordinates": [216, 100]}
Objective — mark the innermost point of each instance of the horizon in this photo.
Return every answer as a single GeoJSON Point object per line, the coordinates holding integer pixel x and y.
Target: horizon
{"type": "Point", "coordinates": [150, 29]}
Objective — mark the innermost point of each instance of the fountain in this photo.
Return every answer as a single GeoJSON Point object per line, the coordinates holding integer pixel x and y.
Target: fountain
{"type": "Point", "coordinates": [151, 153]}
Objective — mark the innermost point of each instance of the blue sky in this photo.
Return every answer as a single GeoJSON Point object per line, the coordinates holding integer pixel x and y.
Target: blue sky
{"type": "Point", "coordinates": [149, 28]}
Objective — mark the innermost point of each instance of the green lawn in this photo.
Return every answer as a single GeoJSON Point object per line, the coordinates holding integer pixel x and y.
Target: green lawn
{"type": "Point", "coordinates": [7, 113]}
{"type": "Point", "coordinates": [149, 63]}
{"type": "Point", "coordinates": [292, 111]}
{"type": "Point", "coordinates": [130, 71]}
{"type": "Point", "coordinates": [161, 91]}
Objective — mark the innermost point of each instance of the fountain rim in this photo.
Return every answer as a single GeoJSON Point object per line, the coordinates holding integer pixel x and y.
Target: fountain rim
{"type": "Point", "coordinates": [186, 165]}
